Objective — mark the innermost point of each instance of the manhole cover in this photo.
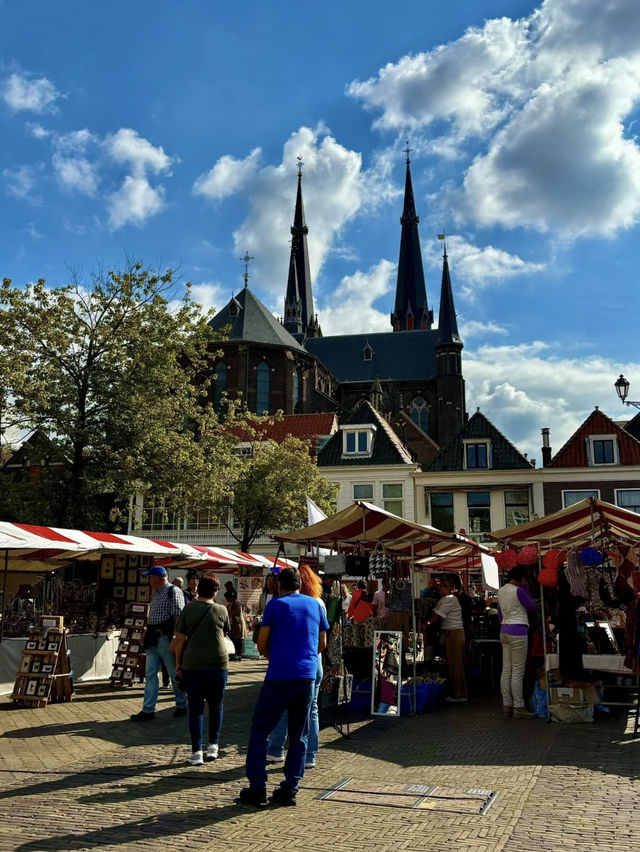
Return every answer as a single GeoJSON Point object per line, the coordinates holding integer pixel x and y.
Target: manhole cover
{"type": "Point", "coordinates": [431, 797]}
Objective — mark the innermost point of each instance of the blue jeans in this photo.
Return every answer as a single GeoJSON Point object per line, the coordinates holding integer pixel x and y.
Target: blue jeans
{"type": "Point", "coordinates": [276, 696]}
{"type": "Point", "coordinates": [205, 685]}
{"type": "Point", "coordinates": [275, 747]}
{"type": "Point", "coordinates": [160, 653]}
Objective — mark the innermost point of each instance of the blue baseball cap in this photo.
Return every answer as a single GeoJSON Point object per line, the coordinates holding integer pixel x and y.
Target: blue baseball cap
{"type": "Point", "coordinates": [156, 571]}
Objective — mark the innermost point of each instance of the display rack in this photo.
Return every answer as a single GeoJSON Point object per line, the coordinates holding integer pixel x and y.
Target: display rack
{"type": "Point", "coordinates": [44, 674]}
{"type": "Point", "coordinates": [129, 664]}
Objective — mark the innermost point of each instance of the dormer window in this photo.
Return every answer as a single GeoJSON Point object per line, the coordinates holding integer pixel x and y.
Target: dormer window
{"type": "Point", "coordinates": [357, 440]}
{"type": "Point", "coordinates": [367, 353]}
{"type": "Point", "coordinates": [602, 449]}
{"type": "Point", "coordinates": [477, 455]}
{"type": "Point", "coordinates": [234, 308]}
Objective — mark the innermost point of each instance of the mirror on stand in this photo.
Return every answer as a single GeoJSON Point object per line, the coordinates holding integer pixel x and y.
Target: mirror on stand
{"type": "Point", "coordinates": [387, 675]}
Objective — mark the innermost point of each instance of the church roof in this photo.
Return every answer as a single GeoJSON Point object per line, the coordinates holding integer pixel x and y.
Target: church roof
{"type": "Point", "coordinates": [504, 455]}
{"type": "Point", "coordinates": [398, 356]}
{"type": "Point", "coordinates": [387, 447]}
{"type": "Point", "coordinates": [251, 321]}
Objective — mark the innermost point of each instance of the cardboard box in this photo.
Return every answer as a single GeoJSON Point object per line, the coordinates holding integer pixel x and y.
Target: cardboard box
{"type": "Point", "coordinates": [574, 695]}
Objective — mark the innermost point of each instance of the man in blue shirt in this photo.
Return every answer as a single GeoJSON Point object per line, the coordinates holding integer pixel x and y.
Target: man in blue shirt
{"type": "Point", "coordinates": [292, 634]}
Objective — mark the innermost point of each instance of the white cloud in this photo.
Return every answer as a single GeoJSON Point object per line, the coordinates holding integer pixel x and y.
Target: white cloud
{"type": "Point", "coordinates": [352, 308]}
{"type": "Point", "coordinates": [21, 93]}
{"type": "Point", "coordinates": [126, 146]}
{"type": "Point", "coordinates": [475, 328]}
{"type": "Point", "coordinates": [134, 202]}
{"type": "Point", "coordinates": [20, 182]}
{"type": "Point", "coordinates": [228, 176]}
{"type": "Point", "coordinates": [73, 170]}
{"type": "Point", "coordinates": [546, 98]}
{"type": "Point", "coordinates": [210, 294]}
{"type": "Point", "coordinates": [476, 268]}
{"type": "Point", "coordinates": [334, 189]}
{"type": "Point", "coordinates": [524, 388]}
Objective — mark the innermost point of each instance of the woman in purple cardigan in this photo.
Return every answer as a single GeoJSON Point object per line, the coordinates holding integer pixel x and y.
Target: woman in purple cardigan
{"type": "Point", "coordinates": [514, 602]}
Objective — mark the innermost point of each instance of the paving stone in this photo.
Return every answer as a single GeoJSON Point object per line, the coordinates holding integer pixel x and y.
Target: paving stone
{"type": "Point", "coordinates": [81, 776]}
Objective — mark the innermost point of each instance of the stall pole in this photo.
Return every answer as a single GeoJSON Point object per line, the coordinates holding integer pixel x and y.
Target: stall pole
{"type": "Point", "coordinates": [415, 634]}
{"type": "Point", "coordinates": [544, 637]}
{"type": "Point", "coordinates": [4, 594]}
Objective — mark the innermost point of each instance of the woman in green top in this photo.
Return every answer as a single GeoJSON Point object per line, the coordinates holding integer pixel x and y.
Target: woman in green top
{"type": "Point", "coordinates": [202, 662]}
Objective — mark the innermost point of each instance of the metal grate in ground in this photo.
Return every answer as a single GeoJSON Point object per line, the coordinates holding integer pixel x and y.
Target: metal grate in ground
{"type": "Point", "coordinates": [432, 797]}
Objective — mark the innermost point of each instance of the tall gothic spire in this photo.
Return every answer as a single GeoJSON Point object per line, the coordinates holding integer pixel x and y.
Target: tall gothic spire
{"type": "Point", "coordinates": [411, 310]}
{"type": "Point", "coordinates": [447, 321]}
{"type": "Point", "coordinates": [299, 286]}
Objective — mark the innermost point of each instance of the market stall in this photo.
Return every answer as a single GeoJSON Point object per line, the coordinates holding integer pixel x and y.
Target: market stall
{"type": "Point", "coordinates": [587, 560]}
{"type": "Point", "coordinates": [368, 541]}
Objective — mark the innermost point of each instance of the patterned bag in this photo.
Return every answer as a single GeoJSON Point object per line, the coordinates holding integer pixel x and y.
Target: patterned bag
{"type": "Point", "coordinates": [400, 596]}
{"type": "Point", "coordinates": [334, 646]}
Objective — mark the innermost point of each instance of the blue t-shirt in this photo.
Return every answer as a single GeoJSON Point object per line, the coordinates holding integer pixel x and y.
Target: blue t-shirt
{"type": "Point", "coordinates": [295, 621]}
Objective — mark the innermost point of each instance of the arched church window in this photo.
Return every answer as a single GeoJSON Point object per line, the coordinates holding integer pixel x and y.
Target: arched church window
{"type": "Point", "coordinates": [263, 388]}
{"type": "Point", "coordinates": [219, 385]}
{"type": "Point", "coordinates": [419, 412]}
{"type": "Point", "coordinates": [296, 392]}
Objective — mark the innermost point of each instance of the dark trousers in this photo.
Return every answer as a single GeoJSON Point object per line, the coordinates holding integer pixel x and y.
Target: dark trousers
{"type": "Point", "coordinates": [205, 685]}
{"type": "Point", "coordinates": [276, 696]}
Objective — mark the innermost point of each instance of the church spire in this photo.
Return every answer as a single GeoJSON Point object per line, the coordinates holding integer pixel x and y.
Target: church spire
{"type": "Point", "coordinates": [411, 310]}
{"type": "Point", "coordinates": [300, 259]}
{"type": "Point", "coordinates": [447, 321]}
{"type": "Point", "coordinates": [293, 302]}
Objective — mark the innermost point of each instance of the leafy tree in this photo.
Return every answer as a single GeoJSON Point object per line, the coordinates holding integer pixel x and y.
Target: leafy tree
{"type": "Point", "coordinates": [118, 378]}
{"type": "Point", "coordinates": [268, 482]}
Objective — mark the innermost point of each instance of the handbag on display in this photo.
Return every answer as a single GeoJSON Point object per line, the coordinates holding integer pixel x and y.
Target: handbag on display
{"type": "Point", "coordinates": [400, 596]}
{"type": "Point", "coordinates": [334, 563]}
{"type": "Point", "coordinates": [381, 563]}
{"type": "Point", "coordinates": [334, 610]}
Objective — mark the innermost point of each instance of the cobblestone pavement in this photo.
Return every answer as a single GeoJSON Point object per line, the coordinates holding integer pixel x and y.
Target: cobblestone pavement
{"type": "Point", "coordinates": [81, 776]}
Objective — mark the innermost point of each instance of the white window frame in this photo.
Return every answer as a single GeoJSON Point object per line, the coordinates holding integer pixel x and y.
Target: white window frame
{"type": "Point", "coordinates": [590, 450]}
{"type": "Point", "coordinates": [469, 442]}
{"type": "Point", "coordinates": [618, 490]}
{"type": "Point", "coordinates": [369, 430]}
{"type": "Point", "coordinates": [399, 499]}
{"type": "Point", "coordinates": [355, 485]}
{"type": "Point", "coordinates": [578, 491]}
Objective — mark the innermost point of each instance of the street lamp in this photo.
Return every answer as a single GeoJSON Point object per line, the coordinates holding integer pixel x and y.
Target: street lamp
{"type": "Point", "coordinates": [622, 389]}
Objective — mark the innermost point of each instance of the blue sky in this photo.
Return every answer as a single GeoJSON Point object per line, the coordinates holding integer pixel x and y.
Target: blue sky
{"type": "Point", "coordinates": [169, 132]}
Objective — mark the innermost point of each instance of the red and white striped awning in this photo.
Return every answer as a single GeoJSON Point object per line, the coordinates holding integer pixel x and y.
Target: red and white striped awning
{"type": "Point", "coordinates": [29, 547]}
{"type": "Point", "coordinates": [367, 525]}
{"type": "Point", "coordinates": [588, 521]}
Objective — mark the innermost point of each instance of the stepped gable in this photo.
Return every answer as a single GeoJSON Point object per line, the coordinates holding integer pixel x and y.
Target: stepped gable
{"type": "Point", "coordinates": [574, 452]}
{"type": "Point", "coordinates": [249, 320]}
{"type": "Point", "coordinates": [387, 447]}
{"type": "Point", "coordinates": [504, 456]}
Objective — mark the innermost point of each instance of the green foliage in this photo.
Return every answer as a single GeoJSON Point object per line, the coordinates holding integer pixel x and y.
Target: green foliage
{"type": "Point", "coordinates": [117, 377]}
{"type": "Point", "coordinates": [268, 485]}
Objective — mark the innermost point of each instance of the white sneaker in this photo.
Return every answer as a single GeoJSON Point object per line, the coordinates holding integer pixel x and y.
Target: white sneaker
{"type": "Point", "coordinates": [196, 759]}
{"type": "Point", "coordinates": [212, 751]}
{"type": "Point", "coordinates": [271, 758]}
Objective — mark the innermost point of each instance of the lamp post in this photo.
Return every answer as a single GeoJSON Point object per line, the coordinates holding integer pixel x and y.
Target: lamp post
{"type": "Point", "coordinates": [622, 389]}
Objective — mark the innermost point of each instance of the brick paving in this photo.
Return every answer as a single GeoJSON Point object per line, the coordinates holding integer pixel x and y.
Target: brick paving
{"type": "Point", "coordinates": [81, 776]}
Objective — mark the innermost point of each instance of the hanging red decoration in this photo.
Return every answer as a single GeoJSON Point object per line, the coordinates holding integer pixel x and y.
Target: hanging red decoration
{"type": "Point", "coordinates": [506, 559]}
{"type": "Point", "coordinates": [528, 555]}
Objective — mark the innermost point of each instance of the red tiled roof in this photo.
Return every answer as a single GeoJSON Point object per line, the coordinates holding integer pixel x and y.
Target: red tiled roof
{"type": "Point", "coordinates": [574, 452]}
{"type": "Point", "coordinates": [305, 427]}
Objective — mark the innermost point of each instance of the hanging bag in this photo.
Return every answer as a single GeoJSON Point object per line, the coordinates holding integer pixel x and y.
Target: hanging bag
{"type": "Point", "coordinates": [400, 596]}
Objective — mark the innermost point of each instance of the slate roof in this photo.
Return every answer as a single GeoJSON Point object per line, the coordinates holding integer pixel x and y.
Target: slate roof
{"type": "Point", "coordinates": [254, 323]}
{"type": "Point", "coordinates": [574, 452]}
{"type": "Point", "coordinates": [387, 447]}
{"type": "Point", "coordinates": [633, 426]}
{"type": "Point", "coordinates": [397, 356]}
{"type": "Point", "coordinates": [504, 455]}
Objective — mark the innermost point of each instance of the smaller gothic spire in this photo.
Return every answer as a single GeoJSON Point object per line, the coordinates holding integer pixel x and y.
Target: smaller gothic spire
{"type": "Point", "coordinates": [447, 320]}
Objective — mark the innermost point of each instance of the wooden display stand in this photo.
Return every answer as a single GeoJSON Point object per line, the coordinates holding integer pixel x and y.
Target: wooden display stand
{"type": "Point", "coordinates": [129, 663]}
{"type": "Point", "coordinates": [44, 674]}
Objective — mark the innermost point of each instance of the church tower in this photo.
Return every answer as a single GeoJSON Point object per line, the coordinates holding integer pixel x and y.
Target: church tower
{"type": "Point", "coordinates": [411, 311]}
{"type": "Point", "coordinates": [299, 282]}
{"type": "Point", "coordinates": [448, 348]}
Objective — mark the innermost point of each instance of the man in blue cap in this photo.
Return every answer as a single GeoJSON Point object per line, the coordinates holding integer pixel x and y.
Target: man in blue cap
{"type": "Point", "coordinates": [166, 605]}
